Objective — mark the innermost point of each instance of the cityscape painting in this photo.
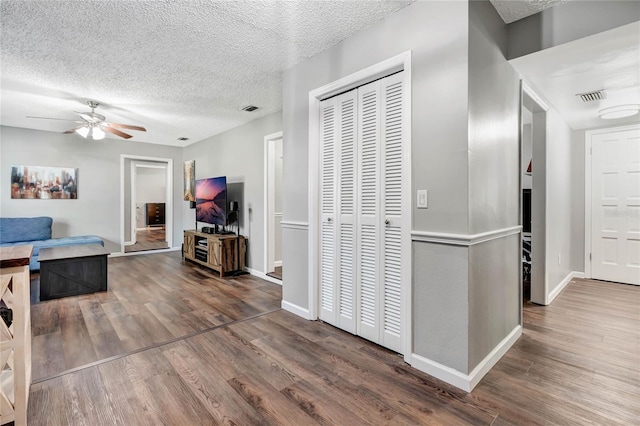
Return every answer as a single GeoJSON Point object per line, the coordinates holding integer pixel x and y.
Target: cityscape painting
{"type": "Point", "coordinates": [37, 182]}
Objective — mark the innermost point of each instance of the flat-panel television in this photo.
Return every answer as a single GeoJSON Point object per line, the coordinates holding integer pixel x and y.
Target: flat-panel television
{"type": "Point", "coordinates": [211, 200]}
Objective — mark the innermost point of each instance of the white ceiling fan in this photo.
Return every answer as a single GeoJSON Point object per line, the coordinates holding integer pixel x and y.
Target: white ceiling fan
{"type": "Point", "coordinates": [95, 126]}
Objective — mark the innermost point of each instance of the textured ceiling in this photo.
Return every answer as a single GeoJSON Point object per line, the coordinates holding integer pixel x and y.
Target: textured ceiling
{"type": "Point", "coordinates": [181, 68]}
{"type": "Point", "coordinates": [513, 10]}
{"type": "Point", "coordinates": [609, 60]}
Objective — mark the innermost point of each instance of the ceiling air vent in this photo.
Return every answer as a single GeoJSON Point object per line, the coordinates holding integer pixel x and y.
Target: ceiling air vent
{"type": "Point", "coordinates": [250, 108]}
{"type": "Point", "coordinates": [596, 95]}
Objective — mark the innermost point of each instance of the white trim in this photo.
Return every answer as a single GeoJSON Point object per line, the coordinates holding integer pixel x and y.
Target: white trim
{"type": "Point", "coordinates": [277, 263]}
{"type": "Point", "coordinates": [587, 189]}
{"type": "Point", "coordinates": [538, 234]}
{"type": "Point", "coordinates": [463, 381]}
{"type": "Point", "coordinates": [290, 224]}
{"type": "Point", "coordinates": [296, 310]}
{"type": "Point", "coordinates": [130, 243]}
{"type": "Point", "coordinates": [534, 96]}
{"type": "Point", "coordinates": [464, 239]}
{"type": "Point", "coordinates": [133, 213]}
{"type": "Point", "coordinates": [262, 275]}
{"type": "Point", "coordinates": [168, 213]}
{"type": "Point", "coordinates": [268, 229]}
{"type": "Point", "coordinates": [136, 253]}
{"type": "Point", "coordinates": [556, 291]}
{"type": "Point", "coordinates": [400, 62]}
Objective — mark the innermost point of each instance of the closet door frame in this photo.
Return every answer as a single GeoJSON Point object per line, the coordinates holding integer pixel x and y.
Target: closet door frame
{"type": "Point", "coordinates": [401, 62]}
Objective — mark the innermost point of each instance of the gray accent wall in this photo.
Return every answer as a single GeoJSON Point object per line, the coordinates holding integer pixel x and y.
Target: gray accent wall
{"type": "Point", "coordinates": [568, 21]}
{"type": "Point", "coordinates": [97, 209]}
{"type": "Point", "coordinates": [494, 184]}
{"type": "Point", "coordinates": [237, 154]}
{"type": "Point", "coordinates": [436, 34]}
{"type": "Point", "coordinates": [494, 295]}
{"type": "Point", "coordinates": [464, 151]}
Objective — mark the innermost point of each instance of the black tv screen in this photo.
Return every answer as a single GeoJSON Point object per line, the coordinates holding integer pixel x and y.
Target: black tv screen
{"type": "Point", "coordinates": [211, 200]}
{"type": "Point", "coordinates": [526, 210]}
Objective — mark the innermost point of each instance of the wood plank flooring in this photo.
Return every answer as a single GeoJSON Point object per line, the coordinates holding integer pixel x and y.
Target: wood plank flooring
{"type": "Point", "coordinates": [152, 238]}
{"type": "Point", "coordinates": [243, 361]}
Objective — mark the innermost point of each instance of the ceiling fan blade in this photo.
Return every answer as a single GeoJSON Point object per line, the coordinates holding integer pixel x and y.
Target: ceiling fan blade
{"type": "Point", "coordinates": [115, 132]}
{"type": "Point", "coordinates": [126, 126]}
{"type": "Point", "coordinates": [74, 129]}
{"type": "Point", "coordinates": [51, 118]}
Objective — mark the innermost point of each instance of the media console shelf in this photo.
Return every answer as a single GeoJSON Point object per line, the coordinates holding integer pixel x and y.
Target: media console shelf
{"type": "Point", "coordinates": [215, 251]}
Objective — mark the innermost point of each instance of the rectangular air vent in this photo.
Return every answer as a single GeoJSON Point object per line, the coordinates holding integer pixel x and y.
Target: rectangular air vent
{"type": "Point", "coordinates": [250, 108]}
{"type": "Point", "coordinates": [592, 96]}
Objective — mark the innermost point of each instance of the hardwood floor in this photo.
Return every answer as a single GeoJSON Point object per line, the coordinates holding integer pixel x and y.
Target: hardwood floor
{"type": "Point", "coordinates": [233, 357]}
{"type": "Point", "coordinates": [152, 238]}
{"type": "Point", "coordinates": [277, 273]}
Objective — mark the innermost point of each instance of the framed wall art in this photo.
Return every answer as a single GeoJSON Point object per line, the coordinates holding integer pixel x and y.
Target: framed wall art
{"type": "Point", "coordinates": [44, 183]}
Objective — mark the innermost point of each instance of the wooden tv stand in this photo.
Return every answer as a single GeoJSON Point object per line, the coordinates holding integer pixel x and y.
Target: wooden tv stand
{"type": "Point", "coordinates": [215, 251]}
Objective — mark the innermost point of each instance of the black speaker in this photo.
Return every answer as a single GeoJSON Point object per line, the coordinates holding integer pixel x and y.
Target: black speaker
{"type": "Point", "coordinates": [233, 206]}
{"type": "Point", "coordinates": [192, 204]}
{"type": "Point", "coordinates": [232, 217]}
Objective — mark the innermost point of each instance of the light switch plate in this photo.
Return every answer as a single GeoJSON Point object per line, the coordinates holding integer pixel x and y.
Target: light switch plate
{"type": "Point", "coordinates": [422, 199]}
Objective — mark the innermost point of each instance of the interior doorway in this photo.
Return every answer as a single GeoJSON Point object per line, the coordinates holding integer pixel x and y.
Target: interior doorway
{"type": "Point", "coordinates": [533, 161]}
{"type": "Point", "coordinates": [274, 159]}
{"type": "Point", "coordinates": [149, 197]}
{"type": "Point", "coordinates": [146, 203]}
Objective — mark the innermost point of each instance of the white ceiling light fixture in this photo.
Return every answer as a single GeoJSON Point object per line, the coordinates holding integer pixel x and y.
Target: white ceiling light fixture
{"type": "Point", "coordinates": [619, 111]}
{"type": "Point", "coordinates": [91, 130]}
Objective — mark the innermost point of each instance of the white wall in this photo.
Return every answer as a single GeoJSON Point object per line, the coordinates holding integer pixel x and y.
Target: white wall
{"type": "Point", "coordinates": [151, 185]}
{"type": "Point", "coordinates": [97, 209]}
{"type": "Point", "coordinates": [559, 197]}
{"type": "Point", "coordinates": [237, 154]}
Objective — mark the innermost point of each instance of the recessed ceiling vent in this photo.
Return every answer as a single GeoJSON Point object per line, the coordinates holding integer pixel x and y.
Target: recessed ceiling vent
{"type": "Point", "coordinates": [250, 108]}
{"type": "Point", "coordinates": [592, 96]}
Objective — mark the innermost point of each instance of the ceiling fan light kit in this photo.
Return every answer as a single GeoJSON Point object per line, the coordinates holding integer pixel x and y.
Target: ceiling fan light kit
{"type": "Point", "coordinates": [95, 126]}
{"type": "Point", "coordinates": [619, 111]}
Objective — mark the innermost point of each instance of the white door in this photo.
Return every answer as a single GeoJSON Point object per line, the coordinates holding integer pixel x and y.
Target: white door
{"type": "Point", "coordinates": [615, 206]}
{"type": "Point", "coordinates": [362, 137]}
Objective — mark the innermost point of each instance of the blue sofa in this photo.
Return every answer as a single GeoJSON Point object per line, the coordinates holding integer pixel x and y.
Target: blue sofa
{"type": "Point", "coordinates": [36, 231]}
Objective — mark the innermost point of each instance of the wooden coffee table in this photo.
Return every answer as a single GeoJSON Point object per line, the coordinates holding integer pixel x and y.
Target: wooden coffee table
{"type": "Point", "coordinates": [72, 270]}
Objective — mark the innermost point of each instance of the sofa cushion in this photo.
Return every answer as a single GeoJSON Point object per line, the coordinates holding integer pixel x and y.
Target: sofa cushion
{"type": "Point", "coordinates": [18, 229]}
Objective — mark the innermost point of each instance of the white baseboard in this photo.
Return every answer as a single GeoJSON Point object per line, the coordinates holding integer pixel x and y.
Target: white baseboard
{"type": "Point", "coordinates": [463, 381]}
{"type": "Point", "coordinates": [129, 243]}
{"type": "Point", "coordinates": [262, 275]}
{"type": "Point", "coordinates": [295, 309]}
{"type": "Point", "coordinates": [277, 263]}
{"type": "Point", "coordinates": [556, 291]}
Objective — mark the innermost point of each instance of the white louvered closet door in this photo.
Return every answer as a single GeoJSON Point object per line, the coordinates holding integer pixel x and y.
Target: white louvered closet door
{"type": "Point", "coordinates": [368, 240]}
{"type": "Point", "coordinates": [328, 117]}
{"type": "Point", "coordinates": [362, 238]}
{"type": "Point", "coordinates": [346, 201]}
{"type": "Point", "coordinates": [392, 182]}
{"type": "Point", "coordinates": [338, 136]}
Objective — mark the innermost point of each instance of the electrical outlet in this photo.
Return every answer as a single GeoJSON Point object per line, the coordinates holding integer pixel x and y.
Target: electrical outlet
{"type": "Point", "coordinates": [422, 199]}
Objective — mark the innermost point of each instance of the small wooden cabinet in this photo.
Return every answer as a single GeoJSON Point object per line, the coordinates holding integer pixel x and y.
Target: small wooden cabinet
{"type": "Point", "coordinates": [155, 214]}
{"type": "Point", "coordinates": [215, 251]}
{"type": "Point", "coordinates": [15, 334]}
